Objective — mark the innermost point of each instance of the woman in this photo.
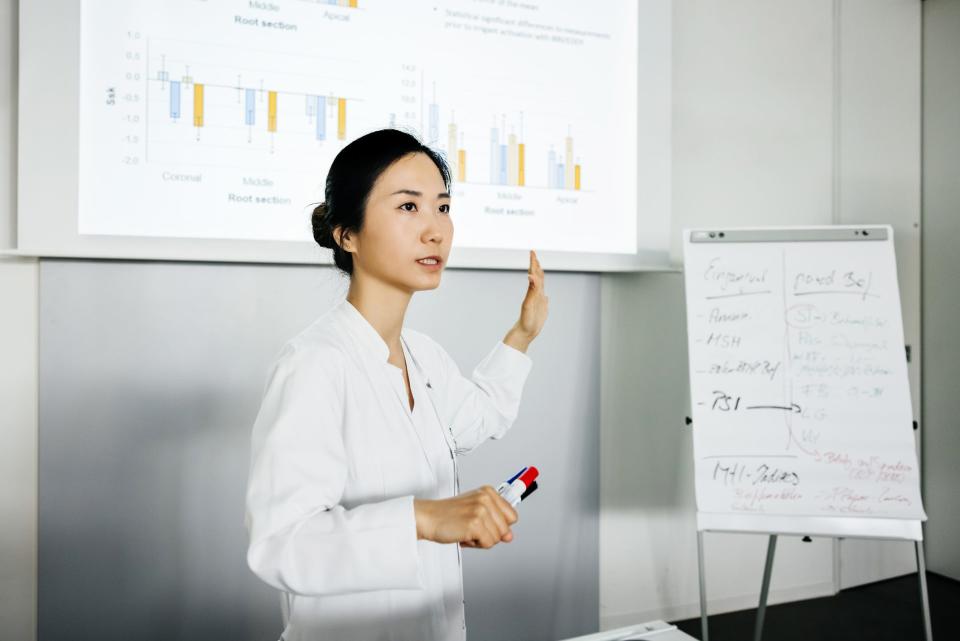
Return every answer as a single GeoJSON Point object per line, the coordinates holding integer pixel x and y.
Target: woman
{"type": "Point", "coordinates": [353, 506]}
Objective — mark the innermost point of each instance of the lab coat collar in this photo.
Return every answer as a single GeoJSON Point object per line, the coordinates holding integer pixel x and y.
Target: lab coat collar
{"type": "Point", "coordinates": [371, 340]}
{"type": "Point", "coordinates": [364, 331]}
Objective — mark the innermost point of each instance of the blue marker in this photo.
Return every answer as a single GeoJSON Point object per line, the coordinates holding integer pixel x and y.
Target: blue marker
{"type": "Point", "coordinates": [514, 490]}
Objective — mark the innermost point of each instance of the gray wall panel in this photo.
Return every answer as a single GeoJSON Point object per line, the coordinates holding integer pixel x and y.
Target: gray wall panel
{"type": "Point", "coordinates": [150, 377]}
{"type": "Point", "coordinates": [941, 293]}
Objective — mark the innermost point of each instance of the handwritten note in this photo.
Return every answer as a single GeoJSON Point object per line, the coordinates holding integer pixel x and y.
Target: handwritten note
{"type": "Point", "coordinates": [798, 380]}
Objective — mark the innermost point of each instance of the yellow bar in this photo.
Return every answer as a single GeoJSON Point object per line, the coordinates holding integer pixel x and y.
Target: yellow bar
{"type": "Point", "coordinates": [576, 177]}
{"type": "Point", "coordinates": [341, 118]}
{"type": "Point", "coordinates": [197, 105]}
{"type": "Point", "coordinates": [271, 111]}
{"type": "Point", "coordinates": [353, 3]}
{"type": "Point", "coordinates": [520, 166]}
{"type": "Point", "coordinates": [451, 141]}
{"type": "Point", "coordinates": [512, 159]}
{"type": "Point", "coordinates": [462, 165]}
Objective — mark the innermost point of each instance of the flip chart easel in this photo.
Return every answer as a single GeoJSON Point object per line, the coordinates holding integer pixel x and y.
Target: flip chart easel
{"type": "Point", "coordinates": [799, 390]}
{"type": "Point", "coordinates": [892, 529]}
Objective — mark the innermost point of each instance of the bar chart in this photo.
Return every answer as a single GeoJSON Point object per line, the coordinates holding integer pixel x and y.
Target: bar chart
{"type": "Point", "coordinates": [506, 154]}
{"type": "Point", "coordinates": [223, 118]}
{"type": "Point", "coordinates": [215, 96]}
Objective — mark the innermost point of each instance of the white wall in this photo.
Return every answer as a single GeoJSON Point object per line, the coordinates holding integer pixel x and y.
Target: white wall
{"type": "Point", "coordinates": [18, 374]}
{"type": "Point", "coordinates": [878, 180]}
{"type": "Point", "coordinates": [785, 112]}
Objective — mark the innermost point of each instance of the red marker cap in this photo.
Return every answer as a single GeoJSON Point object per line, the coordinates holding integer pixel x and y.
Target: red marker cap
{"type": "Point", "coordinates": [529, 476]}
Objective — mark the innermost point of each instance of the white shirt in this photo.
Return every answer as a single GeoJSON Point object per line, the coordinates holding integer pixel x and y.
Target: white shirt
{"type": "Point", "coordinates": [337, 459]}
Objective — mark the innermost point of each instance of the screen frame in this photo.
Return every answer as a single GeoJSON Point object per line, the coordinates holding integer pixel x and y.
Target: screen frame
{"type": "Point", "coordinates": [48, 155]}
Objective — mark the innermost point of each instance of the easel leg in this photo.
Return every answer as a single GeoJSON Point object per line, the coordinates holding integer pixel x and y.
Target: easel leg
{"type": "Point", "coordinates": [705, 635]}
{"type": "Point", "coordinates": [924, 598]}
{"type": "Point", "coordinates": [765, 588]}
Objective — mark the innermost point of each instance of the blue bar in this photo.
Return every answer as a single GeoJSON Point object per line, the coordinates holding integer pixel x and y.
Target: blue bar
{"type": "Point", "coordinates": [560, 176]}
{"type": "Point", "coordinates": [321, 116]}
{"type": "Point", "coordinates": [551, 171]}
{"type": "Point", "coordinates": [174, 98]}
{"type": "Point", "coordinates": [251, 110]}
{"type": "Point", "coordinates": [434, 135]}
{"type": "Point", "coordinates": [494, 154]}
{"type": "Point", "coordinates": [503, 164]}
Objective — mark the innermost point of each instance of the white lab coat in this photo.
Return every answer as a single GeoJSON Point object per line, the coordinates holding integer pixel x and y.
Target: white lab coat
{"type": "Point", "coordinates": [337, 458]}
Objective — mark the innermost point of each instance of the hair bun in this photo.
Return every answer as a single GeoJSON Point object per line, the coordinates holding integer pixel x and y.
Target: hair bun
{"type": "Point", "coordinates": [322, 229]}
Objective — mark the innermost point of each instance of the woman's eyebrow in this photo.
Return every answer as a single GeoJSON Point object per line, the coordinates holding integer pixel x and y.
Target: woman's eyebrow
{"type": "Point", "coordinates": [413, 192]}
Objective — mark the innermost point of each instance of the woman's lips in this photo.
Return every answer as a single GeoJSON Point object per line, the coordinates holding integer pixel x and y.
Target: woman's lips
{"type": "Point", "coordinates": [430, 262]}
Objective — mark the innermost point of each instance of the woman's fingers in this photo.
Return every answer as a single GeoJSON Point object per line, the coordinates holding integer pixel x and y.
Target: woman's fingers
{"type": "Point", "coordinates": [477, 519]}
{"type": "Point", "coordinates": [535, 272]}
{"type": "Point", "coordinates": [533, 310]}
{"type": "Point", "coordinates": [488, 528]}
{"type": "Point", "coordinates": [493, 534]}
{"type": "Point", "coordinates": [536, 282]}
{"type": "Point", "coordinates": [482, 532]}
{"type": "Point", "coordinates": [492, 517]}
{"type": "Point", "coordinates": [500, 512]}
{"type": "Point", "coordinates": [506, 510]}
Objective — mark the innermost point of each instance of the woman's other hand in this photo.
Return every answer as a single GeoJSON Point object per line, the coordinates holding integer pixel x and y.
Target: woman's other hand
{"type": "Point", "coordinates": [479, 518]}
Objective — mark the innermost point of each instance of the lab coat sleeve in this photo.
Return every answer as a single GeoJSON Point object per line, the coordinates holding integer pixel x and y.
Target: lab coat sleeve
{"type": "Point", "coordinates": [301, 540]}
{"type": "Point", "coordinates": [486, 404]}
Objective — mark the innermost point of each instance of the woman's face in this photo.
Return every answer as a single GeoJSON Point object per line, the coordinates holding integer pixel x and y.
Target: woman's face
{"type": "Point", "coordinates": [406, 234]}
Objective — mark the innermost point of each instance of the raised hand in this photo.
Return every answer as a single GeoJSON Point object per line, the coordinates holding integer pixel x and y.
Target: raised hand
{"type": "Point", "coordinates": [533, 310]}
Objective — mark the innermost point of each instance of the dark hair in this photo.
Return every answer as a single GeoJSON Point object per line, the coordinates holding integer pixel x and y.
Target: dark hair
{"type": "Point", "coordinates": [350, 180]}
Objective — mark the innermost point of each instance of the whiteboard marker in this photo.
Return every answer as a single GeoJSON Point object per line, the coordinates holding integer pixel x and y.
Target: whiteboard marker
{"type": "Point", "coordinates": [514, 490]}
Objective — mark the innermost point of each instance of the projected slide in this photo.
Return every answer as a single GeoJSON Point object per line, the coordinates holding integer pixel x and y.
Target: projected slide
{"type": "Point", "coordinates": [218, 119]}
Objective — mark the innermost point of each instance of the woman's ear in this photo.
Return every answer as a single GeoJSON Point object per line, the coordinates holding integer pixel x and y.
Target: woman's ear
{"type": "Point", "coordinates": [344, 238]}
